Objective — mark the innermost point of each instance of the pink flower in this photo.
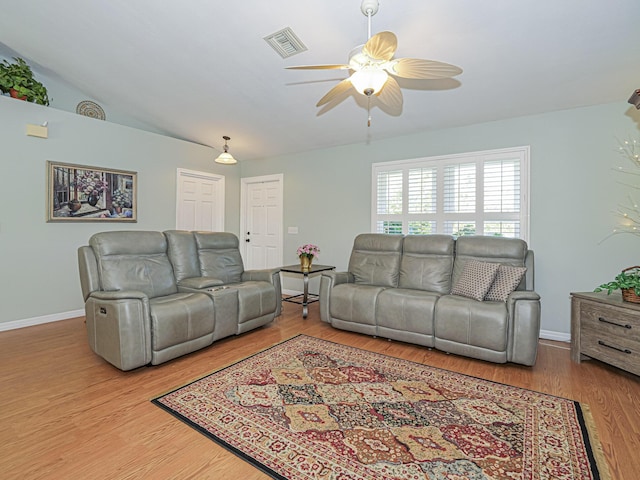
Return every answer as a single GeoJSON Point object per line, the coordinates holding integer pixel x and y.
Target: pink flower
{"type": "Point", "coordinates": [308, 250]}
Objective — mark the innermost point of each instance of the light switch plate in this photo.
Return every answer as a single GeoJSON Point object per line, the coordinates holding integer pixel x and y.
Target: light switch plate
{"type": "Point", "coordinates": [37, 131]}
{"type": "Point", "coordinates": [292, 230]}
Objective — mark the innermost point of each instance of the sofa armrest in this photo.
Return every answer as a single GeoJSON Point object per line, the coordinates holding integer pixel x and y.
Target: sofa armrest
{"type": "Point", "coordinates": [336, 278]}
{"type": "Point", "coordinates": [271, 275]}
{"type": "Point", "coordinates": [199, 283]}
{"type": "Point", "coordinates": [328, 280]}
{"type": "Point", "coordinates": [265, 275]}
{"type": "Point", "coordinates": [118, 295]}
{"type": "Point", "coordinates": [119, 327]}
{"type": "Point", "coordinates": [523, 308]}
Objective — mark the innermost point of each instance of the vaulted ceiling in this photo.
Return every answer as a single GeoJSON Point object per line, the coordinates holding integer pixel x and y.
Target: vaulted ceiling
{"type": "Point", "coordinates": [201, 69]}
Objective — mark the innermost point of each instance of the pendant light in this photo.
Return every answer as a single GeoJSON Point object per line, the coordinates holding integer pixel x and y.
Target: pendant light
{"type": "Point", "coordinates": [225, 157]}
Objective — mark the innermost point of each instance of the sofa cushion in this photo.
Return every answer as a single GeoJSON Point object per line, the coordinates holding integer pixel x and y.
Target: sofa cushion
{"type": "Point", "coordinates": [406, 310]}
{"type": "Point", "coordinates": [375, 259]}
{"type": "Point", "coordinates": [355, 303]}
{"type": "Point", "coordinates": [476, 279]}
{"type": "Point", "coordinates": [219, 256]}
{"type": "Point", "coordinates": [427, 262]}
{"type": "Point", "coordinates": [179, 318]}
{"type": "Point", "coordinates": [506, 251]}
{"type": "Point", "coordinates": [255, 299]}
{"type": "Point", "coordinates": [506, 281]}
{"type": "Point", "coordinates": [134, 260]}
{"type": "Point", "coordinates": [466, 322]}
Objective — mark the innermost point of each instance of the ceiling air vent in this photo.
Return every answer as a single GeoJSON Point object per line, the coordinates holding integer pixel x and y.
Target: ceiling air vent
{"type": "Point", "coordinates": [285, 42]}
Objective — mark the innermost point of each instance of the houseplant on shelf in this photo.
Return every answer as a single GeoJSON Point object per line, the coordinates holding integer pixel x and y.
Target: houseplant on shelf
{"type": "Point", "coordinates": [307, 253]}
{"type": "Point", "coordinates": [628, 281]}
{"type": "Point", "coordinates": [17, 80]}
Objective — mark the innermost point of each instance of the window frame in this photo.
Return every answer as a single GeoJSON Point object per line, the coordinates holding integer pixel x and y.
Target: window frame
{"type": "Point", "coordinates": [521, 153]}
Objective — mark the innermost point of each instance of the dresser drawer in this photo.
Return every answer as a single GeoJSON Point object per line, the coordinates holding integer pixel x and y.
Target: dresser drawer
{"type": "Point", "coordinates": [612, 321]}
{"type": "Point", "coordinates": [612, 335]}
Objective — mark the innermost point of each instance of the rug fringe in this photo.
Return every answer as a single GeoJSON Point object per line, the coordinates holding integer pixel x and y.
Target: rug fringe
{"type": "Point", "coordinates": [596, 446]}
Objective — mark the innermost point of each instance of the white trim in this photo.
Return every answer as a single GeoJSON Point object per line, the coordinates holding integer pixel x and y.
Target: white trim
{"type": "Point", "coordinates": [30, 322]}
{"type": "Point", "coordinates": [553, 335]}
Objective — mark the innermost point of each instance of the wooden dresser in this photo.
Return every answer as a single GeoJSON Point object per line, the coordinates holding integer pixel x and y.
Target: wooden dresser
{"type": "Point", "coordinates": [606, 328]}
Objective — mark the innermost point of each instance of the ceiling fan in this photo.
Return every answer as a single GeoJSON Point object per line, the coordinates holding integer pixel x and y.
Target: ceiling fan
{"type": "Point", "coordinates": [374, 68]}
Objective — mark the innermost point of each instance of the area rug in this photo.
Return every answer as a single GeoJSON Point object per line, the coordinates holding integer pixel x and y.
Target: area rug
{"type": "Point", "coordinates": [312, 409]}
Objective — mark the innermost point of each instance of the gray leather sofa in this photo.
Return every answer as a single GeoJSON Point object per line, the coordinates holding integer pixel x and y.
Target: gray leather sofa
{"type": "Point", "coordinates": [153, 296]}
{"type": "Point", "coordinates": [399, 287]}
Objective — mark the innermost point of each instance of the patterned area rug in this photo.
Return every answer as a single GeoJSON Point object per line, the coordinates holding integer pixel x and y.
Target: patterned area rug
{"type": "Point", "coordinates": [311, 409]}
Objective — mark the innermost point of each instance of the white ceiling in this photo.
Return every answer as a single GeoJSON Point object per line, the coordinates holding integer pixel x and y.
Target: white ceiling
{"type": "Point", "coordinates": [200, 69]}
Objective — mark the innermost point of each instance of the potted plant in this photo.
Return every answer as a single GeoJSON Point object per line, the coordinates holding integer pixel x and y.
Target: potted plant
{"type": "Point", "coordinates": [17, 80]}
{"type": "Point", "coordinates": [628, 281]}
{"type": "Point", "coordinates": [306, 253]}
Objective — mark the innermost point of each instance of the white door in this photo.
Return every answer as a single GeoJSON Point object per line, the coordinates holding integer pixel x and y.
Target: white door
{"type": "Point", "coordinates": [200, 201]}
{"type": "Point", "coordinates": [261, 221]}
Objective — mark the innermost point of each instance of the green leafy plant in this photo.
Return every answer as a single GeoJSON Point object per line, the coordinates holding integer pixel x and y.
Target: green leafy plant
{"type": "Point", "coordinates": [19, 77]}
{"type": "Point", "coordinates": [628, 278]}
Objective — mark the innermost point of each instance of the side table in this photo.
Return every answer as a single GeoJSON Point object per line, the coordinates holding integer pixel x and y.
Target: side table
{"type": "Point", "coordinates": [307, 297]}
{"type": "Point", "coordinates": [606, 328]}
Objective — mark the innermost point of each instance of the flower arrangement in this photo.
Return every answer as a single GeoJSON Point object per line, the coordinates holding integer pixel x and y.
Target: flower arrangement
{"type": "Point", "coordinates": [90, 183]}
{"type": "Point", "coordinates": [308, 250]}
{"type": "Point", "coordinates": [121, 198]}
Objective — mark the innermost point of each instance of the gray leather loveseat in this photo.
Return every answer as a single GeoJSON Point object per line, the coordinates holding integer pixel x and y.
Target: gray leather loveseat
{"type": "Point", "coordinates": [153, 296]}
{"type": "Point", "coordinates": [436, 291]}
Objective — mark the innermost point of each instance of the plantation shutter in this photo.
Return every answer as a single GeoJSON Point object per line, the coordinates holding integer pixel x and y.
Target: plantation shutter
{"type": "Point", "coordinates": [482, 193]}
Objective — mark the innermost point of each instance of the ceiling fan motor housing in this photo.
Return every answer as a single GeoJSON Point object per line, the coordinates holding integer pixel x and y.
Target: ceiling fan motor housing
{"type": "Point", "coordinates": [369, 7]}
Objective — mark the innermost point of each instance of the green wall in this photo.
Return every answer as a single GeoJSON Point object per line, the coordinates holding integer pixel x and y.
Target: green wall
{"type": "Point", "coordinates": [573, 193]}
{"type": "Point", "coordinates": [327, 195]}
{"type": "Point", "coordinates": [38, 266]}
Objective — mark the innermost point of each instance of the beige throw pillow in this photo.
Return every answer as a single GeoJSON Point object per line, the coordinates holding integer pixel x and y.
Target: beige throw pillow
{"type": "Point", "coordinates": [476, 279]}
{"type": "Point", "coordinates": [506, 281]}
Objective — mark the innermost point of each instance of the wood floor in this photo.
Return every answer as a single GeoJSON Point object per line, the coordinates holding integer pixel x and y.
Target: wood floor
{"type": "Point", "coordinates": [67, 414]}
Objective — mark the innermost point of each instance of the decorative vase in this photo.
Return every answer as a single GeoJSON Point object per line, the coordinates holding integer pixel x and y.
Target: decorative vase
{"type": "Point", "coordinates": [93, 200]}
{"type": "Point", "coordinates": [305, 263]}
{"type": "Point", "coordinates": [74, 205]}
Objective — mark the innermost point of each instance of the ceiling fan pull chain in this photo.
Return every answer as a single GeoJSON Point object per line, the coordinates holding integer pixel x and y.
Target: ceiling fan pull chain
{"type": "Point", "coordinates": [369, 110]}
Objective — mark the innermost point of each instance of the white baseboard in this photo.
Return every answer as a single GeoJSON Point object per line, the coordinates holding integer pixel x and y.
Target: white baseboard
{"type": "Point", "coordinates": [552, 335]}
{"type": "Point", "coordinates": [30, 322]}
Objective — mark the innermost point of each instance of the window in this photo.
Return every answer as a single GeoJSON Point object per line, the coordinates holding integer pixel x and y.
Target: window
{"type": "Point", "coordinates": [480, 193]}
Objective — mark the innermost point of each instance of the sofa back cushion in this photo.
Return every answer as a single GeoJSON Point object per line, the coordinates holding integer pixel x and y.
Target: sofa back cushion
{"type": "Point", "coordinates": [183, 254]}
{"type": "Point", "coordinates": [375, 259]}
{"type": "Point", "coordinates": [427, 263]}
{"type": "Point", "coordinates": [219, 256]}
{"type": "Point", "coordinates": [506, 251]}
{"type": "Point", "coordinates": [134, 260]}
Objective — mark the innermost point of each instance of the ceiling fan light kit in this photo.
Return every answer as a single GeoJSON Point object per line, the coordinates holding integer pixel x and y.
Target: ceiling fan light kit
{"type": "Point", "coordinates": [225, 157]}
{"type": "Point", "coordinates": [373, 67]}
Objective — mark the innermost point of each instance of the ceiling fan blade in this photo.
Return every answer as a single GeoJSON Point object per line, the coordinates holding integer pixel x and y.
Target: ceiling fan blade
{"type": "Point", "coordinates": [339, 89]}
{"type": "Point", "coordinates": [391, 95]}
{"type": "Point", "coordinates": [423, 69]}
{"type": "Point", "coordinates": [382, 46]}
{"type": "Point", "coordinates": [319, 67]}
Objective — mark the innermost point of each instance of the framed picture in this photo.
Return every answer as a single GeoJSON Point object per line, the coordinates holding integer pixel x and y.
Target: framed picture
{"type": "Point", "coordinates": [83, 193]}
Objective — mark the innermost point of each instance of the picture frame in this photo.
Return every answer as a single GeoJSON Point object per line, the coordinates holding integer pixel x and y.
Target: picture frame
{"type": "Point", "coordinates": [82, 193]}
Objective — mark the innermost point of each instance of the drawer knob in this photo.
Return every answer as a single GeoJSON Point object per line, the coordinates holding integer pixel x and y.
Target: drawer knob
{"type": "Point", "coordinates": [623, 350]}
{"type": "Point", "coordinates": [623, 325]}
